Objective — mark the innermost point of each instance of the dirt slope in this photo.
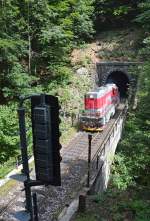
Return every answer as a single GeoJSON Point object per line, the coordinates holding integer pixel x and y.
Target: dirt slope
{"type": "Point", "coordinates": [116, 45]}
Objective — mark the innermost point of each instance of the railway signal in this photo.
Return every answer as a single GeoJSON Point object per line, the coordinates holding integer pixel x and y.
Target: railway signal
{"type": "Point", "coordinates": [46, 146]}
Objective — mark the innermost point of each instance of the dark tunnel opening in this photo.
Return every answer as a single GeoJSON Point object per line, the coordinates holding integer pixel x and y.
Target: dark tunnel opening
{"type": "Point", "coordinates": [121, 80]}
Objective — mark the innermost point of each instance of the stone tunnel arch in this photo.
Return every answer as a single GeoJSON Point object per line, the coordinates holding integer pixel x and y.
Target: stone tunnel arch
{"type": "Point", "coordinates": [121, 79]}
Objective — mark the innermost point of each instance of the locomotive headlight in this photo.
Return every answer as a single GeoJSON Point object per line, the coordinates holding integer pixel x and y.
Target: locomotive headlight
{"type": "Point", "coordinates": [91, 96]}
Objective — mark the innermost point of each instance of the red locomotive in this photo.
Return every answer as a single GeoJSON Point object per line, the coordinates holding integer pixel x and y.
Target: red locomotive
{"type": "Point", "coordinates": [100, 105]}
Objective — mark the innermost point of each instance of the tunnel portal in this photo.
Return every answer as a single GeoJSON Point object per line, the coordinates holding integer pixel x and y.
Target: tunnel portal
{"type": "Point", "coordinates": [121, 80]}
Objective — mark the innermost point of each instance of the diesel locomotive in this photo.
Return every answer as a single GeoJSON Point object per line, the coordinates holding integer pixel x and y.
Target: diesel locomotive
{"type": "Point", "coordinates": [99, 106]}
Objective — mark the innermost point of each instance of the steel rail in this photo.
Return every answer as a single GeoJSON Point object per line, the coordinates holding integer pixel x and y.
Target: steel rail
{"type": "Point", "coordinates": [4, 208]}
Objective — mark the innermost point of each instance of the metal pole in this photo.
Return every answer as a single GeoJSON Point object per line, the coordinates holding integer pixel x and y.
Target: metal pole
{"type": "Point", "coordinates": [24, 154]}
{"type": "Point", "coordinates": [82, 203]}
{"type": "Point", "coordinates": [28, 198]}
{"type": "Point", "coordinates": [23, 141]}
{"type": "Point", "coordinates": [89, 159]}
{"type": "Point", "coordinates": [97, 161]}
{"type": "Point", "coordinates": [35, 208]}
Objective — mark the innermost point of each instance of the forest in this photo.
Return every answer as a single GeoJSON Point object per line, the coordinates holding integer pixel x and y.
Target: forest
{"type": "Point", "coordinates": [36, 43]}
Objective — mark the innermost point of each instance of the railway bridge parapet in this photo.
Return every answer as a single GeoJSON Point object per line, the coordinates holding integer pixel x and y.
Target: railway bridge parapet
{"type": "Point", "coordinates": [102, 160]}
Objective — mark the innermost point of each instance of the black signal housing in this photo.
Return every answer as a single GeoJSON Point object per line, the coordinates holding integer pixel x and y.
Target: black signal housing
{"type": "Point", "coordinates": [46, 145]}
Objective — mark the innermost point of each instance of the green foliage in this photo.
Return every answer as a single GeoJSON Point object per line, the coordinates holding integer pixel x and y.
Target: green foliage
{"type": "Point", "coordinates": [60, 74]}
{"type": "Point", "coordinates": [115, 12]}
{"type": "Point", "coordinates": [7, 167]}
{"type": "Point", "coordinates": [132, 161]}
{"type": "Point", "coordinates": [141, 209]}
{"type": "Point", "coordinates": [9, 139]}
{"type": "Point", "coordinates": [36, 39]}
{"type": "Point", "coordinates": [144, 16]}
{"type": "Point", "coordinates": [116, 205]}
{"type": "Point", "coordinates": [19, 82]}
{"type": "Point", "coordinates": [70, 91]}
{"type": "Point", "coordinates": [121, 177]}
{"type": "Point", "coordinates": [86, 217]}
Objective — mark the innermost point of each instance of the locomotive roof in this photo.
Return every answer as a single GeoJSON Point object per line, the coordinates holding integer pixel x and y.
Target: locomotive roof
{"type": "Point", "coordinates": [99, 91]}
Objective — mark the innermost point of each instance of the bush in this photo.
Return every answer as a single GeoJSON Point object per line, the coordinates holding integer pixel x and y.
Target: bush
{"type": "Point", "coordinates": [9, 139]}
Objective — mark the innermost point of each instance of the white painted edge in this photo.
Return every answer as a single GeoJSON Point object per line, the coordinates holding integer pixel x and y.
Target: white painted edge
{"type": "Point", "coordinates": [67, 213]}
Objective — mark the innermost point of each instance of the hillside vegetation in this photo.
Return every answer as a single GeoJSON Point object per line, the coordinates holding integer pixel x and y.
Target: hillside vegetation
{"type": "Point", "coordinates": [40, 47]}
{"type": "Point", "coordinates": [36, 40]}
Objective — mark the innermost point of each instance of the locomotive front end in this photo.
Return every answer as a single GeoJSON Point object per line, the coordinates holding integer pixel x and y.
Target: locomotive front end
{"type": "Point", "coordinates": [88, 123]}
{"type": "Point", "coordinates": [91, 118]}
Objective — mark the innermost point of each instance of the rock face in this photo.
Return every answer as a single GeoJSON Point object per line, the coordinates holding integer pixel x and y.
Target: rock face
{"type": "Point", "coordinates": [82, 71]}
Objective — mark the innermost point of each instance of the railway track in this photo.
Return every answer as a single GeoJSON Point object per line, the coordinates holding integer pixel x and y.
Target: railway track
{"type": "Point", "coordinates": [8, 205]}
{"type": "Point", "coordinates": [74, 169]}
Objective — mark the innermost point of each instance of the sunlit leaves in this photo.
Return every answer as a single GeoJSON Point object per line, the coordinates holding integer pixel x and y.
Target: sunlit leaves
{"type": "Point", "coordinates": [39, 34]}
{"type": "Point", "coordinates": [115, 11]}
{"type": "Point", "coordinates": [9, 139]}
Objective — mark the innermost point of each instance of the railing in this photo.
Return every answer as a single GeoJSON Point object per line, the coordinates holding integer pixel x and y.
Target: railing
{"type": "Point", "coordinates": [96, 161]}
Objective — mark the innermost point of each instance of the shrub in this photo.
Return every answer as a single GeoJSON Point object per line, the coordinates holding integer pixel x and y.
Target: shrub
{"type": "Point", "coordinates": [9, 139]}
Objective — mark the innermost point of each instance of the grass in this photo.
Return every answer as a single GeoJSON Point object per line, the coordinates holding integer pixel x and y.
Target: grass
{"type": "Point", "coordinates": [8, 186]}
{"type": "Point", "coordinates": [116, 205]}
{"type": "Point", "coordinates": [7, 167]}
{"type": "Point", "coordinates": [85, 217]}
{"type": "Point", "coordinates": [11, 183]}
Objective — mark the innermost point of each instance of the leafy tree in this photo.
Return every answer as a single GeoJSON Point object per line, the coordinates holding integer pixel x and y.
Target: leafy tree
{"type": "Point", "coordinates": [37, 37]}
{"type": "Point", "coordinates": [9, 139]}
{"type": "Point", "coordinates": [13, 48]}
{"type": "Point", "coordinates": [144, 16]}
{"type": "Point", "coordinates": [109, 12]}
